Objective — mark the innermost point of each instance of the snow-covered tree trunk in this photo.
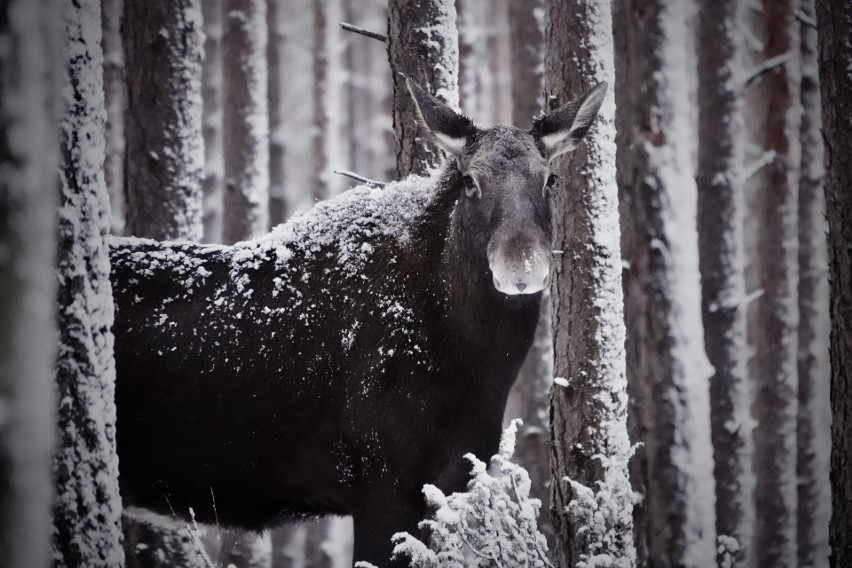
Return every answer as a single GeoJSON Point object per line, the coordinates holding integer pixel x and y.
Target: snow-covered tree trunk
{"type": "Point", "coordinates": [114, 93]}
{"type": "Point", "coordinates": [834, 28]}
{"type": "Point", "coordinates": [246, 121]}
{"type": "Point", "coordinates": [88, 507]}
{"type": "Point", "coordinates": [667, 370]}
{"type": "Point", "coordinates": [29, 68]}
{"type": "Point", "coordinates": [591, 497]}
{"type": "Point", "coordinates": [165, 150]}
{"type": "Point", "coordinates": [211, 96]}
{"type": "Point", "coordinates": [813, 429]}
{"type": "Point", "coordinates": [776, 317]}
{"type": "Point", "coordinates": [277, 82]}
{"type": "Point", "coordinates": [476, 92]}
{"type": "Point", "coordinates": [721, 208]}
{"type": "Point", "coordinates": [423, 45]}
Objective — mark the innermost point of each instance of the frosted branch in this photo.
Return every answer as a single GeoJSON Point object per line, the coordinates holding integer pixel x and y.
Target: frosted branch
{"type": "Point", "coordinates": [806, 19]}
{"type": "Point", "coordinates": [363, 32]}
{"type": "Point", "coordinates": [758, 164]}
{"type": "Point", "coordinates": [362, 179]}
{"type": "Point", "coordinates": [765, 67]}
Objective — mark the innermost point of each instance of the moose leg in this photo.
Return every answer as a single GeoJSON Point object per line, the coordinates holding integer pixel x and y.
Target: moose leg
{"type": "Point", "coordinates": [376, 522]}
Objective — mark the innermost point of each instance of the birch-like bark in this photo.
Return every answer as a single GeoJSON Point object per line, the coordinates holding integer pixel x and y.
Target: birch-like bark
{"type": "Point", "coordinates": [211, 96]}
{"type": "Point", "coordinates": [246, 121]}
{"type": "Point", "coordinates": [721, 208]}
{"type": "Point", "coordinates": [116, 99]}
{"type": "Point", "coordinates": [87, 510]}
{"type": "Point", "coordinates": [834, 28]}
{"type": "Point", "coordinates": [165, 150]}
{"type": "Point", "coordinates": [423, 45]}
{"type": "Point", "coordinates": [29, 67]}
{"type": "Point", "coordinates": [776, 317]}
{"type": "Point", "coordinates": [591, 496]}
{"type": "Point", "coordinates": [667, 370]}
{"type": "Point", "coordinates": [813, 428]}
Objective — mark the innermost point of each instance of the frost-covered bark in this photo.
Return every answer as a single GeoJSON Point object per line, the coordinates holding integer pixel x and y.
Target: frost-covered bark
{"type": "Point", "coordinates": [211, 97]}
{"type": "Point", "coordinates": [834, 28]}
{"type": "Point", "coordinates": [476, 88]}
{"type": "Point", "coordinates": [592, 500]}
{"type": "Point", "coordinates": [165, 149]}
{"type": "Point", "coordinates": [423, 45]}
{"type": "Point", "coordinates": [88, 507]}
{"type": "Point", "coordinates": [246, 122]}
{"type": "Point", "coordinates": [116, 98]}
{"type": "Point", "coordinates": [813, 428]}
{"type": "Point", "coordinates": [776, 318]}
{"type": "Point", "coordinates": [721, 208]}
{"type": "Point", "coordinates": [667, 370]}
{"type": "Point", "coordinates": [29, 65]}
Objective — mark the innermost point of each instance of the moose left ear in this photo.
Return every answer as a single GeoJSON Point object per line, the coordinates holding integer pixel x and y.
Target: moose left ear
{"type": "Point", "coordinates": [449, 127]}
{"type": "Point", "coordinates": [562, 130]}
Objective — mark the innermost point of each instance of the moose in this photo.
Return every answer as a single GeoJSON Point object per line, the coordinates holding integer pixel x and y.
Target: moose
{"type": "Point", "coordinates": [355, 353]}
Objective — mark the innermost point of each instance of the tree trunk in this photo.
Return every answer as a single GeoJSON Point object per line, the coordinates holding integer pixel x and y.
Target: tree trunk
{"type": "Point", "coordinates": [667, 369]}
{"type": "Point", "coordinates": [722, 262]}
{"type": "Point", "coordinates": [28, 162]}
{"type": "Point", "coordinates": [526, 60]}
{"type": "Point", "coordinates": [211, 96]}
{"type": "Point", "coordinates": [834, 28]}
{"type": "Point", "coordinates": [775, 333]}
{"type": "Point", "coordinates": [422, 45]}
{"type": "Point", "coordinates": [165, 149]}
{"type": "Point", "coordinates": [813, 428]}
{"type": "Point", "coordinates": [320, 131]}
{"type": "Point", "coordinates": [589, 405]}
{"type": "Point", "coordinates": [278, 77]}
{"type": "Point", "coordinates": [246, 122]}
{"type": "Point", "coordinates": [116, 98]}
{"type": "Point", "coordinates": [88, 506]}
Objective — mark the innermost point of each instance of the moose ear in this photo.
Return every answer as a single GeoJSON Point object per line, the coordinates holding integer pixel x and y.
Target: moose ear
{"type": "Point", "coordinates": [449, 127]}
{"type": "Point", "coordinates": [562, 130]}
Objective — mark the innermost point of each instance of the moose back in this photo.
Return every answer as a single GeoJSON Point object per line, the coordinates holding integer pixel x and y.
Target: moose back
{"type": "Point", "coordinates": [352, 355]}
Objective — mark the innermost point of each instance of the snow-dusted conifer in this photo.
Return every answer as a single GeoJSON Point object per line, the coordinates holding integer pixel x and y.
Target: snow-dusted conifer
{"type": "Point", "coordinates": [493, 523]}
{"type": "Point", "coordinates": [721, 207]}
{"type": "Point", "coordinates": [88, 507]}
{"type": "Point", "coordinates": [29, 65]}
{"type": "Point", "coordinates": [591, 494]}
{"type": "Point", "coordinates": [423, 44]}
{"type": "Point", "coordinates": [667, 369]}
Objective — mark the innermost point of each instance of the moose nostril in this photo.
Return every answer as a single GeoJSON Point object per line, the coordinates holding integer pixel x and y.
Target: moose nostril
{"type": "Point", "coordinates": [521, 286]}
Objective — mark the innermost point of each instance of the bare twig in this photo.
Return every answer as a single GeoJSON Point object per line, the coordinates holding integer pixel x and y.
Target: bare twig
{"type": "Point", "coordinates": [765, 67]}
{"type": "Point", "coordinates": [363, 32]}
{"type": "Point", "coordinates": [362, 179]}
{"type": "Point", "coordinates": [806, 19]}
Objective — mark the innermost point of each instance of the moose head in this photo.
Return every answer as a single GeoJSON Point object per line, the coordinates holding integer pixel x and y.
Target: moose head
{"type": "Point", "coordinates": [506, 178]}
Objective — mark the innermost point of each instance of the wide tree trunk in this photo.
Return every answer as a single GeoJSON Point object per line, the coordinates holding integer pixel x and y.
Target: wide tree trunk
{"type": "Point", "coordinates": [165, 149]}
{"type": "Point", "coordinates": [592, 501]}
{"type": "Point", "coordinates": [28, 200]}
{"type": "Point", "coordinates": [775, 317]}
{"type": "Point", "coordinates": [813, 427]}
{"type": "Point", "coordinates": [211, 96]}
{"type": "Point", "coordinates": [423, 45]}
{"type": "Point", "coordinates": [834, 28]}
{"type": "Point", "coordinates": [722, 262]}
{"type": "Point", "coordinates": [87, 510]}
{"type": "Point", "coordinates": [116, 99]}
{"type": "Point", "coordinates": [667, 370]}
{"type": "Point", "coordinates": [246, 123]}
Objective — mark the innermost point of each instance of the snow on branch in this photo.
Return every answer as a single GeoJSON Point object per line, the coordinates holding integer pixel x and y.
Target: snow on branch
{"type": "Point", "coordinates": [364, 32]}
{"type": "Point", "coordinates": [765, 67]}
{"type": "Point", "coordinates": [764, 160]}
{"type": "Point", "coordinates": [493, 523]}
{"type": "Point", "coordinates": [368, 181]}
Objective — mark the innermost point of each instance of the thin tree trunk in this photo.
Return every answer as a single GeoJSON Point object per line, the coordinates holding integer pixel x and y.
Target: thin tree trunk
{"type": "Point", "coordinates": [422, 45]}
{"type": "Point", "coordinates": [28, 162]}
{"type": "Point", "coordinates": [278, 77]}
{"type": "Point", "coordinates": [246, 121]}
{"type": "Point", "coordinates": [722, 262]}
{"type": "Point", "coordinates": [116, 99]}
{"type": "Point", "coordinates": [776, 333]}
{"type": "Point", "coordinates": [834, 28]}
{"type": "Point", "coordinates": [526, 38]}
{"type": "Point", "coordinates": [165, 149]}
{"type": "Point", "coordinates": [211, 96]}
{"type": "Point", "coordinates": [320, 131]}
{"type": "Point", "coordinates": [813, 428]}
{"type": "Point", "coordinates": [87, 509]}
{"type": "Point", "coordinates": [667, 369]}
{"type": "Point", "coordinates": [592, 501]}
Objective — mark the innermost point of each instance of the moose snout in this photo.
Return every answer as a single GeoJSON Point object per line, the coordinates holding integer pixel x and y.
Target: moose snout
{"type": "Point", "coordinates": [519, 264]}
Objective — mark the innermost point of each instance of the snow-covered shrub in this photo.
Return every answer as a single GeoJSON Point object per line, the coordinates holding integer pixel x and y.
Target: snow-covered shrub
{"type": "Point", "coordinates": [493, 523]}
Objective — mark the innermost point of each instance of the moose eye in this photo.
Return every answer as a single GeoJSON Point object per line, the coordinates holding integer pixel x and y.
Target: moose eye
{"type": "Point", "coordinates": [470, 187]}
{"type": "Point", "coordinates": [551, 180]}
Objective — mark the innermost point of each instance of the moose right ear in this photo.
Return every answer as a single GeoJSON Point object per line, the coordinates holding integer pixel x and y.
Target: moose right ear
{"type": "Point", "coordinates": [449, 127]}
